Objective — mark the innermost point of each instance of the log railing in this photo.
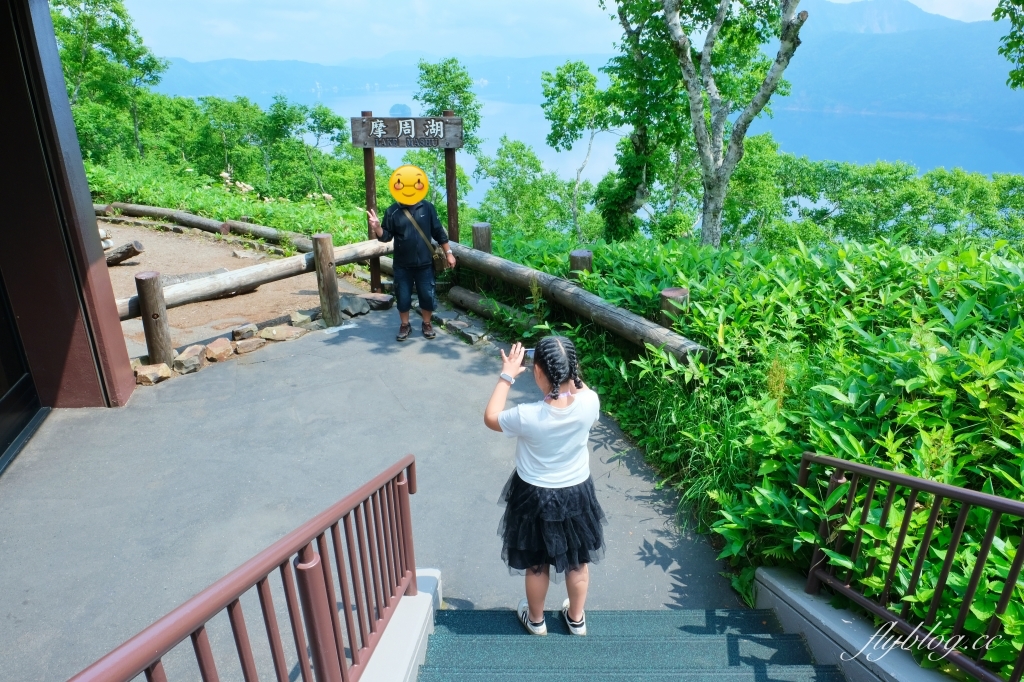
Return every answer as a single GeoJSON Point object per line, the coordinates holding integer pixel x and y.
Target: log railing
{"type": "Point", "coordinates": [369, 536]}
{"type": "Point", "coordinates": [872, 512]}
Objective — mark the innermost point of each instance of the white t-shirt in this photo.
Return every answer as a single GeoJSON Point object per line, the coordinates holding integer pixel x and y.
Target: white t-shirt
{"type": "Point", "coordinates": [552, 449]}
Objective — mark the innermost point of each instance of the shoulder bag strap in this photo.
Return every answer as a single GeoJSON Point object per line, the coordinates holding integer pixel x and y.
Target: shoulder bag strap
{"type": "Point", "coordinates": [430, 247]}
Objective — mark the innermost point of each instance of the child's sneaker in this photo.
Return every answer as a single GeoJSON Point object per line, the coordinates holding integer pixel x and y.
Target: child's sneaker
{"type": "Point", "coordinates": [540, 628]}
{"type": "Point", "coordinates": [575, 628]}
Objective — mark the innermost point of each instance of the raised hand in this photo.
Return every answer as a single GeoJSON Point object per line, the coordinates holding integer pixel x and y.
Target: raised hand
{"type": "Point", "coordinates": [373, 220]}
{"type": "Point", "coordinates": [512, 364]}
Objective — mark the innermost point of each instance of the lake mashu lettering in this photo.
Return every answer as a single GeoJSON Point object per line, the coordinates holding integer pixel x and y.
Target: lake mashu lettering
{"type": "Point", "coordinates": [443, 132]}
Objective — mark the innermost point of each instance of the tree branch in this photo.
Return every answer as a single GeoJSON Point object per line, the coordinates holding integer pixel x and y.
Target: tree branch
{"type": "Point", "coordinates": [789, 41]}
{"type": "Point", "coordinates": [719, 109]}
{"type": "Point", "coordinates": [681, 45]}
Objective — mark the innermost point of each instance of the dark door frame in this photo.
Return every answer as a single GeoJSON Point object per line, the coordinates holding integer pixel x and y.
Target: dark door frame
{"type": "Point", "coordinates": [51, 258]}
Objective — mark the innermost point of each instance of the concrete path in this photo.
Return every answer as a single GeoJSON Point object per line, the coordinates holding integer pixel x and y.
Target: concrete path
{"type": "Point", "coordinates": [110, 518]}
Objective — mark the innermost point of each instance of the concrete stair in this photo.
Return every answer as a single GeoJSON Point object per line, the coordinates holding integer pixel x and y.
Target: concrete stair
{"type": "Point", "coordinates": [621, 646]}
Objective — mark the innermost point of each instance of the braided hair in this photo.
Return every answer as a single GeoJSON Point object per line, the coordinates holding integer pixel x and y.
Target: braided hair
{"type": "Point", "coordinates": [556, 357]}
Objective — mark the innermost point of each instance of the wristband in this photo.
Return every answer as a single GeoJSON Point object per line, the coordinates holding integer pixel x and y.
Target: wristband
{"type": "Point", "coordinates": [507, 378]}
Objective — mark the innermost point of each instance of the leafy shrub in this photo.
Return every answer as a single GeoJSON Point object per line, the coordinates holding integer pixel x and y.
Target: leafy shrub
{"type": "Point", "coordinates": [903, 358]}
{"type": "Point", "coordinates": [155, 184]}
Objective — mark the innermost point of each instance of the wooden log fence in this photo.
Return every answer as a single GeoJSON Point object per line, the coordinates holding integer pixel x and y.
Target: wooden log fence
{"type": "Point", "coordinates": [629, 326]}
{"type": "Point", "coordinates": [252, 276]}
{"type": "Point", "coordinates": [485, 307]}
{"type": "Point", "coordinates": [327, 280]}
{"type": "Point", "coordinates": [153, 310]}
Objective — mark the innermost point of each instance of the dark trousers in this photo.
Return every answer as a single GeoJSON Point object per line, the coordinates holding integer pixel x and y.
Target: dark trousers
{"type": "Point", "coordinates": [423, 278]}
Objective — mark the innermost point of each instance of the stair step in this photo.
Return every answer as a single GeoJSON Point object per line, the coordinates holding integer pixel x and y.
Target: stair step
{"type": "Point", "coordinates": [650, 623]}
{"type": "Point", "coordinates": [612, 653]}
{"type": "Point", "coordinates": [775, 673]}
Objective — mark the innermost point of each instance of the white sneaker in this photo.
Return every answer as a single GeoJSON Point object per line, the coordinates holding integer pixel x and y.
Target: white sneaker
{"type": "Point", "coordinates": [579, 628]}
{"type": "Point", "coordinates": [524, 617]}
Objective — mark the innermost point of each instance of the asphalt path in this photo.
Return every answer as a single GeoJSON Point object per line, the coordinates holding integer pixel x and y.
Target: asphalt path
{"type": "Point", "coordinates": [109, 518]}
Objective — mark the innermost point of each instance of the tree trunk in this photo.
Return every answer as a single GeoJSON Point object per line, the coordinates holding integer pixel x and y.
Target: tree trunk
{"type": "Point", "coordinates": [711, 215]}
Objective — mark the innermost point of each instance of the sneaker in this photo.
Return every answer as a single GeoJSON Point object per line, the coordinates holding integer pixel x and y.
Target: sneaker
{"type": "Point", "coordinates": [428, 331]}
{"type": "Point", "coordinates": [575, 628]}
{"type": "Point", "coordinates": [524, 618]}
{"type": "Point", "coordinates": [403, 332]}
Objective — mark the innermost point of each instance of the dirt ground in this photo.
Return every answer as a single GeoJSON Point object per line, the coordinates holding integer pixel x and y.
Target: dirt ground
{"type": "Point", "coordinates": [170, 253]}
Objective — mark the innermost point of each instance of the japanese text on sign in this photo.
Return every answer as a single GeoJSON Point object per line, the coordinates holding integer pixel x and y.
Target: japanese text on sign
{"type": "Point", "coordinates": [445, 133]}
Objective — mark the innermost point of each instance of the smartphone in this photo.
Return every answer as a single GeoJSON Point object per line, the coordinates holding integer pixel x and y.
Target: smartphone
{"type": "Point", "coordinates": [527, 354]}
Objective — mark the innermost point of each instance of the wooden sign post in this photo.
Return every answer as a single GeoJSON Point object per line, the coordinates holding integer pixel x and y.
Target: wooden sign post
{"type": "Point", "coordinates": [424, 132]}
{"type": "Point", "coordinates": [370, 173]}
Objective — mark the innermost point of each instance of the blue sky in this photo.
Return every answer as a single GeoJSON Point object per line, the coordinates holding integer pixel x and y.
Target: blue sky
{"type": "Point", "coordinates": [330, 31]}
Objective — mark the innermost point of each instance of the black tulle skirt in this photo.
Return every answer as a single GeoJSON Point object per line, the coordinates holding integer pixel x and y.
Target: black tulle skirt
{"type": "Point", "coordinates": [560, 527]}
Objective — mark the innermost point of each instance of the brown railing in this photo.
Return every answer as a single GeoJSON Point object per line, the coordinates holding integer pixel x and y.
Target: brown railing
{"type": "Point", "coordinates": [369, 533]}
{"type": "Point", "coordinates": [899, 578]}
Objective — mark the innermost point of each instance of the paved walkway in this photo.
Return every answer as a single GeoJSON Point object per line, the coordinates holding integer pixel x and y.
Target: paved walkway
{"type": "Point", "coordinates": [110, 518]}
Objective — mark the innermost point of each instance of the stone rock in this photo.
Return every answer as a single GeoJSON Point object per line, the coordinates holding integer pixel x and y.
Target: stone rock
{"type": "Point", "coordinates": [301, 317]}
{"type": "Point", "coordinates": [246, 331]}
{"type": "Point", "coordinates": [468, 333]}
{"type": "Point", "coordinates": [247, 255]}
{"type": "Point", "coordinates": [281, 332]}
{"type": "Point", "coordinates": [139, 362]}
{"type": "Point", "coordinates": [219, 350]}
{"type": "Point", "coordinates": [249, 345]}
{"type": "Point", "coordinates": [454, 324]}
{"type": "Point", "coordinates": [148, 375]}
{"type": "Point", "coordinates": [354, 305]}
{"type": "Point", "coordinates": [378, 301]}
{"type": "Point", "coordinates": [190, 360]}
{"type": "Point", "coordinates": [313, 326]}
{"type": "Point", "coordinates": [178, 229]}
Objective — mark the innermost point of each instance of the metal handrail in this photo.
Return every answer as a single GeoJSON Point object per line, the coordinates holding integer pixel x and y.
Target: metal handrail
{"type": "Point", "coordinates": [823, 571]}
{"type": "Point", "coordinates": [376, 523]}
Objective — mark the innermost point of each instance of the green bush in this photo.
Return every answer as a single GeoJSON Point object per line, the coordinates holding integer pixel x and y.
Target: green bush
{"type": "Point", "coordinates": [907, 359]}
{"type": "Point", "coordinates": [155, 184]}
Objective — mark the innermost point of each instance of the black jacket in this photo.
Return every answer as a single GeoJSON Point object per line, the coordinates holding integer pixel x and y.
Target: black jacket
{"type": "Point", "coordinates": [410, 251]}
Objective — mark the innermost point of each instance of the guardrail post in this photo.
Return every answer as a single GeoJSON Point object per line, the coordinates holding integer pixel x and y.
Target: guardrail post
{"type": "Point", "coordinates": [153, 311]}
{"type": "Point", "coordinates": [669, 299]}
{"type": "Point", "coordinates": [327, 279]}
{"type": "Point", "coordinates": [813, 585]}
{"type": "Point", "coordinates": [482, 237]}
{"type": "Point", "coordinates": [580, 260]}
{"type": "Point", "coordinates": [403, 501]}
{"type": "Point", "coordinates": [316, 612]}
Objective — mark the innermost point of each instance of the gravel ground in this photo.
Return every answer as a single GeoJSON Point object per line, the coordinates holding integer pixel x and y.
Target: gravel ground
{"type": "Point", "coordinates": [170, 253]}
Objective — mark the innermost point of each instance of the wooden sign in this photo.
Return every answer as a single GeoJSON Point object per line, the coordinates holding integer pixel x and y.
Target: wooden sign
{"type": "Point", "coordinates": [444, 132]}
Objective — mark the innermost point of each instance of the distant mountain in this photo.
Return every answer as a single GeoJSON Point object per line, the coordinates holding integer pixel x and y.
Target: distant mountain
{"type": "Point", "coordinates": [876, 79]}
{"type": "Point", "coordinates": [498, 78]}
{"type": "Point", "coordinates": [870, 16]}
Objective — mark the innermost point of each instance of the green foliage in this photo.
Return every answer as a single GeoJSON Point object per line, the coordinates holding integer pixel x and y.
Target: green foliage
{"type": "Point", "coordinates": [573, 105]}
{"type": "Point", "coordinates": [524, 199]}
{"type": "Point", "coordinates": [906, 358]}
{"type": "Point", "coordinates": [156, 184]}
{"type": "Point", "coordinates": [447, 85]}
{"type": "Point", "coordinates": [1012, 45]}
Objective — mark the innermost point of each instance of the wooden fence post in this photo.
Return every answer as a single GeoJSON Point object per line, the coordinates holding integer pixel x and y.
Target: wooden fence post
{"type": "Point", "coordinates": [482, 237]}
{"type": "Point", "coordinates": [580, 260]}
{"type": "Point", "coordinates": [153, 311]}
{"type": "Point", "coordinates": [669, 298]}
{"type": "Point", "coordinates": [327, 279]}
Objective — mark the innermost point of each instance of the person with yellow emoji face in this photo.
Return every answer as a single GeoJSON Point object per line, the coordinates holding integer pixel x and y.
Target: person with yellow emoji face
{"type": "Point", "coordinates": [412, 221]}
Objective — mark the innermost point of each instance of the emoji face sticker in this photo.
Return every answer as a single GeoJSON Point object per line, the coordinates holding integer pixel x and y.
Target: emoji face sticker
{"type": "Point", "coordinates": [408, 185]}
